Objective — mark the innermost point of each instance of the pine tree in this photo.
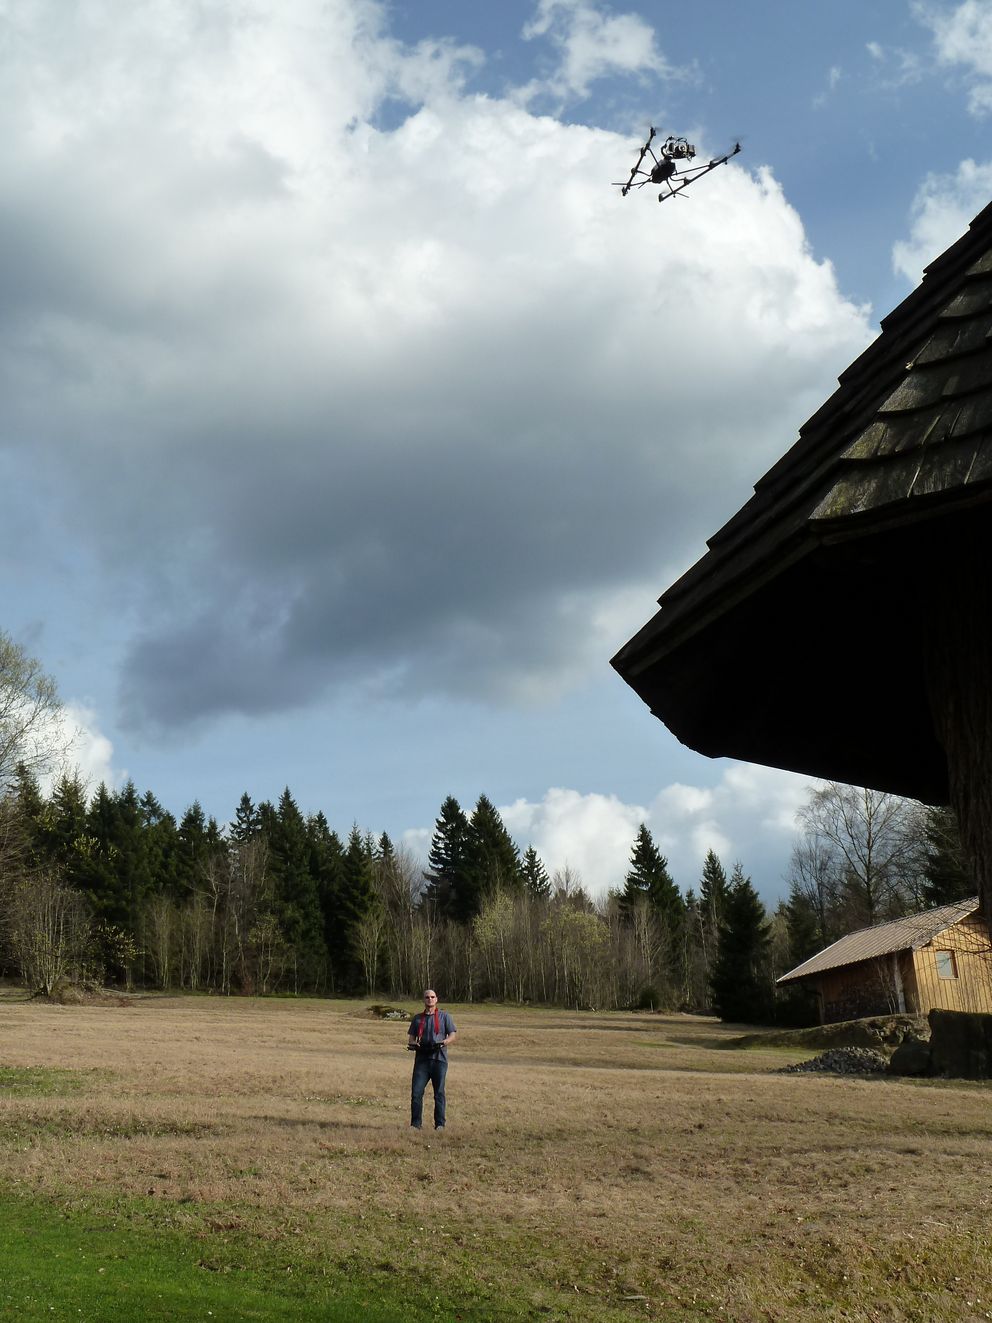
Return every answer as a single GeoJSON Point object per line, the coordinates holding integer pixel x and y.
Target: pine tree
{"type": "Point", "coordinates": [492, 862]}
{"type": "Point", "coordinates": [535, 875]}
{"type": "Point", "coordinates": [295, 902]}
{"type": "Point", "coordinates": [741, 981]}
{"type": "Point", "coordinates": [803, 925]}
{"type": "Point", "coordinates": [447, 856]}
{"type": "Point", "coordinates": [96, 872]}
{"type": "Point", "coordinates": [796, 1003]}
{"type": "Point", "coordinates": [648, 876]}
{"type": "Point", "coordinates": [947, 876]}
{"type": "Point", "coordinates": [68, 824]}
{"type": "Point", "coordinates": [191, 858]}
{"type": "Point", "coordinates": [133, 862]}
{"type": "Point", "coordinates": [32, 819]}
{"type": "Point", "coordinates": [356, 898]}
{"type": "Point", "coordinates": [162, 845]}
{"type": "Point", "coordinates": [326, 864]}
{"type": "Point", "coordinates": [713, 892]}
{"type": "Point", "coordinates": [247, 820]}
{"type": "Point", "coordinates": [704, 928]}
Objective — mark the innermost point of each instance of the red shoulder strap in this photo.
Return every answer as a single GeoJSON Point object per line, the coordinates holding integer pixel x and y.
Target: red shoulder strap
{"type": "Point", "coordinates": [437, 1023]}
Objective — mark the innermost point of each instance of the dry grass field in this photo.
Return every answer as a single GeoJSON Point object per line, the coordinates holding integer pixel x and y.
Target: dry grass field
{"type": "Point", "coordinates": [595, 1166]}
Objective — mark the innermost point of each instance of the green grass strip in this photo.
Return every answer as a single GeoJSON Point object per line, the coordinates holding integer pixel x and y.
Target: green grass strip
{"type": "Point", "coordinates": [92, 1268]}
{"type": "Point", "coordinates": [33, 1081]}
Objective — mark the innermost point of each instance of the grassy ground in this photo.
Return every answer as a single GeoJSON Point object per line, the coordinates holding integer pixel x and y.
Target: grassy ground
{"type": "Point", "coordinates": [181, 1158]}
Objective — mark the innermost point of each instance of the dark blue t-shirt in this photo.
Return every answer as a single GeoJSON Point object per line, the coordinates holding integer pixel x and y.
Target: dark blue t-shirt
{"type": "Point", "coordinates": [422, 1027]}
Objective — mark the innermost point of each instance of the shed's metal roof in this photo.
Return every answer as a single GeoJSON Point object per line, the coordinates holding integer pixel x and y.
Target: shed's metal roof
{"type": "Point", "coordinates": [909, 934]}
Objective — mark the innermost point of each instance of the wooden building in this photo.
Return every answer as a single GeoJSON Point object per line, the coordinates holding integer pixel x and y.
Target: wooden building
{"type": "Point", "coordinates": [941, 959]}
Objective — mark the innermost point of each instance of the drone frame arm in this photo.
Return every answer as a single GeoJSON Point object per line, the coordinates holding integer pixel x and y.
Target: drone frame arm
{"type": "Point", "coordinates": [637, 165]}
{"type": "Point", "coordinates": [690, 176]}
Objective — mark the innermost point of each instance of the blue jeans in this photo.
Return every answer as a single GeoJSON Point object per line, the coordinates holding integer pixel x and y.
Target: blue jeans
{"type": "Point", "coordinates": [433, 1067]}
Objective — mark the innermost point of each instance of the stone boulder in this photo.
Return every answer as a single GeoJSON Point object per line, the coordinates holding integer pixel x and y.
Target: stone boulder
{"type": "Point", "coordinates": [911, 1057]}
{"type": "Point", "coordinates": [961, 1044]}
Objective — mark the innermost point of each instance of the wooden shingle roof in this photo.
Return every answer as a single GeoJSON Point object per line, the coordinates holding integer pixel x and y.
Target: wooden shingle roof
{"type": "Point", "coordinates": [827, 554]}
{"type": "Point", "coordinates": [909, 934]}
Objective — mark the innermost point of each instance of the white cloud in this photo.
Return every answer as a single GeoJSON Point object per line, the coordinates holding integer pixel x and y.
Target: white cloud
{"type": "Point", "coordinates": [901, 66]}
{"type": "Point", "coordinates": [332, 404]}
{"type": "Point", "coordinates": [591, 834]}
{"type": "Point", "coordinates": [592, 43]}
{"type": "Point", "coordinates": [90, 752]}
{"type": "Point", "coordinates": [943, 208]}
{"type": "Point", "coordinates": [81, 749]}
{"type": "Point", "coordinates": [963, 36]}
{"type": "Point", "coordinates": [749, 814]}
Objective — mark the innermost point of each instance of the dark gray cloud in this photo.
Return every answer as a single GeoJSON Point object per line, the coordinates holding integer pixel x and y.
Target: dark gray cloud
{"type": "Point", "coordinates": [335, 407]}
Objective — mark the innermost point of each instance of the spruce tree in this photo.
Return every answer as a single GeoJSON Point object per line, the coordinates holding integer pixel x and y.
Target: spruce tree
{"type": "Point", "coordinates": [356, 898]}
{"type": "Point", "coordinates": [326, 864]}
{"type": "Point", "coordinates": [295, 901]}
{"type": "Point", "coordinates": [796, 1004]}
{"type": "Point", "coordinates": [161, 845]}
{"type": "Point", "coordinates": [535, 875]}
{"type": "Point", "coordinates": [247, 820]}
{"type": "Point", "coordinates": [32, 819]}
{"type": "Point", "coordinates": [648, 876]}
{"type": "Point", "coordinates": [447, 857]}
{"type": "Point", "coordinates": [946, 871]}
{"type": "Point", "coordinates": [193, 851]}
{"type": "Point", "coordinates": [803, 925]}
{"type": "Point", "coordinates": [741, 980]}
{"type": "Point", "coordinates": [68, 824]}
{"type": "Point", "coordinates": [96, 872]}
{"type": "Point", "coordinates": [492, 862]}
{"type": "Point", "coordinates": [712, 892]}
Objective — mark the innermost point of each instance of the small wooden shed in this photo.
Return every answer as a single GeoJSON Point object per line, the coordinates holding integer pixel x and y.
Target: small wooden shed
{"type": "Point", "coordinates": [940, 959]}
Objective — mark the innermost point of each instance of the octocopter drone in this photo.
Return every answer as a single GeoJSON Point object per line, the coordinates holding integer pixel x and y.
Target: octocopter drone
{"type": "Point", "coordinates": [667, 170]}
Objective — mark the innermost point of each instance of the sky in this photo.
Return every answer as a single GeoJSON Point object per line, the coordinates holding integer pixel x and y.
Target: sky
{"type": "Point", "coordinates": [351, 419]}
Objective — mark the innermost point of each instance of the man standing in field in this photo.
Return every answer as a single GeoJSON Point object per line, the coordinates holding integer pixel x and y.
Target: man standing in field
{"type": "Point", "coordinates": [430, 1035]}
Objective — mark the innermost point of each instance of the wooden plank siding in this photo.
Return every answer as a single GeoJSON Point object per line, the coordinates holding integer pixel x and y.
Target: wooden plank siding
{"type": "Point", "coordinates": [908, 980]}
{"type": "Point", "coordinates": [971, 989]}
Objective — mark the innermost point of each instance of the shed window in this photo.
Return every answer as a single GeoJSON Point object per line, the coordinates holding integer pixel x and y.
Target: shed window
{"type": "Point", "coordinates": [947, 966]}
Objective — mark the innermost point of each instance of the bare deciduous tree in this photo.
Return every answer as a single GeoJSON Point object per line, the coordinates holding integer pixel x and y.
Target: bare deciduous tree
{"type": "Point", "coordinates": [47, 928]}
{"type": "Point", "coordinates": [369, 937]}
{"type": "Point", "coordinates": [865, 844]}
{"type": "Point", "coordinates": [29, 714]}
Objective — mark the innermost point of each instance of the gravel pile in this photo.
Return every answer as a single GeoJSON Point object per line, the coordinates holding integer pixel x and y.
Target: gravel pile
{"type": "Point", "coordinates": [843, 1061]}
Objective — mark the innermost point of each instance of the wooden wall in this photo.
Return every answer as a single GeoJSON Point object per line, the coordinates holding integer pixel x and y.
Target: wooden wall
{"type": "Point", "coordinates": [871, 987]}
{"type": "Point", "coordinates": [972, 989]}
{"type": "Point", "coordinates": [854, 991]}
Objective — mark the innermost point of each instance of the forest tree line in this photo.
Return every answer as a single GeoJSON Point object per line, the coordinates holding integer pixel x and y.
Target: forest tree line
{"type": "Point", "coordinates": [110, 887]}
